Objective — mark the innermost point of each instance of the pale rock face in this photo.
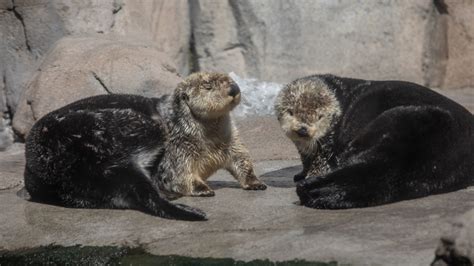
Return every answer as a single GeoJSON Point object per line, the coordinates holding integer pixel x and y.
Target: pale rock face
{"type": "Point", "coordinates": [460, 45]}
{"type": "Point", "coordinates": [79, 67]}
{"type": "Point", "coordinates": [29, 29]}
{"type": "Point", "coordinates": [284, 40]}
{"type": "Point", "coordinates": [165, 23]}
{"type": "Point", "coordinates": [275, 41]}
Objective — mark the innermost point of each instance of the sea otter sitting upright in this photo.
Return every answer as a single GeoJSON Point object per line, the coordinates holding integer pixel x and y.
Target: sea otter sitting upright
{"type": "Point", "coordinates": [365, 143]}
{"type": "Point", "coordinates": [127, 151]}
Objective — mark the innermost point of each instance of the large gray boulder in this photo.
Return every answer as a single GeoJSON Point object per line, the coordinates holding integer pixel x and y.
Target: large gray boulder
{"type": "Point", "coordinates": [457, 246]}
{"type": "Point", "coordinates": [459, 45]}
{"type": "Point", "coordinates": [29, 28]}
{"type": "Point", "coordinates": [163, 22]}
{"type": "Point", "coordinates": [282, 40]}
{"type": "Point", "coordinates": [79, 67]}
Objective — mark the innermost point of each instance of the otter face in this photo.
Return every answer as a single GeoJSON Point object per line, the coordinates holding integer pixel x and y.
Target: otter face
{"type": "Point", "coordinates": [209, 95]}
{"type": "Point", "coordinates": [305, 109]}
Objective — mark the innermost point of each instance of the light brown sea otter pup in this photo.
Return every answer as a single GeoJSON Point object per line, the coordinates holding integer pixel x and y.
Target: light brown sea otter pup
{"type": "Point", "coordinates": [202, 137]}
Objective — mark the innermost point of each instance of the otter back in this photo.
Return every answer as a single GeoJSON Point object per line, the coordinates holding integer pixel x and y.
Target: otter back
{"type": "Point", "coordinates": [100, 152]}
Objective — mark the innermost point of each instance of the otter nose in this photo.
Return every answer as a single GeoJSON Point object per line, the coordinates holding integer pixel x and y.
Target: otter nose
{"type": "Point", "coordinates": [302, 132]}
{"type": "Point", "coordinates": [234, 90]}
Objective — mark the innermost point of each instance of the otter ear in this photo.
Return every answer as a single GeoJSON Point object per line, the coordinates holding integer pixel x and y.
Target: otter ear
{"type": "Point", "coordinates": [180, 94]}
{"type": "Point", "coordinates": [184, 96]}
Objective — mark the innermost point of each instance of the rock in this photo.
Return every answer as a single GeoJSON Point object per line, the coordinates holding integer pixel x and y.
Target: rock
{"type": "Point", "coordinates": [457, 247]}
{"type": "Point", "coordinates": [6, 133]}
{"type": "Point", "coordinates": [79, 67]}
{"type": "Point", "coordinates": [12, 164]}
{"type": "Point", "coordinates": [17, 63]}
{"type": "Point", "coordinates": [283, 40]}
{"type": "Point", "coordinates": [258, 133]}
{"type": "Point", "coordinates": [460, 40]}
{"type": "Point", "coordinates": [32, 27]}
{"type": "Point", "coordinates": [29, 28]}
{"type": "Point", "coordinates": [165, 23]}
{"type": "Point", "coordinates": [427, 41]}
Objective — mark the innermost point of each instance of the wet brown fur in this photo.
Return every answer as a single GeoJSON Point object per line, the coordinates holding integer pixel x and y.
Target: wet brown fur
{"type": "Point", "coordinates": [203, 138]}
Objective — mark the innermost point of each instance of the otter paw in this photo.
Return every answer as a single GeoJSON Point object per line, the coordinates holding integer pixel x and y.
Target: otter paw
{"type": "Point", "coordinates": [298, 177]}
{"type": "Point", "coordinates": [202, 190]}
{"type": "Point", "coordinates": [321, 194]}
{"type": "Point", "coordinates": [255, 186]}
{"type": "Point", "coordinates": [204, 193]}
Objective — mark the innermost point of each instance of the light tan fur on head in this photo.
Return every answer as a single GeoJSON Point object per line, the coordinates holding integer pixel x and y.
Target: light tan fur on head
{"type": "Point", "coordinates": [208, 95]}
{"type": "Point", "coordinates": [306, 104]}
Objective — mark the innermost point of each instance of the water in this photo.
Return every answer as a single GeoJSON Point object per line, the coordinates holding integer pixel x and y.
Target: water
{"type": "Point", "coordinates": [258, 97]}
{"type": "Point", "coordinates": [109, 255]}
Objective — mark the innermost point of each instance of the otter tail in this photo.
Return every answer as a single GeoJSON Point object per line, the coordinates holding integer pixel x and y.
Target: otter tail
{"type": "Point", "coordinates": [148, 200]}
{"type": "Point", "coordinates": [180, 212]}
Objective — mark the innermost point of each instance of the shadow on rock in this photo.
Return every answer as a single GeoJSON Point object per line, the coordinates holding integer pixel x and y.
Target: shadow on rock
{"type": "Point", "coordinates": [216, 185]}
{"type": "Point", "coordinates": [281, 178]}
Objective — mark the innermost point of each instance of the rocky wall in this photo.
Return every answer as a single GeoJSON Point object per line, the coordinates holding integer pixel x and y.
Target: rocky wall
{"type": "Point", "coordinates": [430, 42]}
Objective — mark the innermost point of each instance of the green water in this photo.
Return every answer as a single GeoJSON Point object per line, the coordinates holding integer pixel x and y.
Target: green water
{"type": "Point", "coordinates": [87, 255]}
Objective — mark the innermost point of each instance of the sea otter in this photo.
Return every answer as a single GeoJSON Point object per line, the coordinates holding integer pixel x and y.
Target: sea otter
{"type": "Point", "coordinates": [364, 143]}
{"type": "Point", "coordinates": [123, 151]}
{"type": "Point", "coordinates": [202, 137]}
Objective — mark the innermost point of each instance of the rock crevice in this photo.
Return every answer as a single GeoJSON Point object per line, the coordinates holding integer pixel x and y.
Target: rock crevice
{"type": "Point", "coordinates": [22, 21]}
{"type": "Point", "coordinates": [101, 83]}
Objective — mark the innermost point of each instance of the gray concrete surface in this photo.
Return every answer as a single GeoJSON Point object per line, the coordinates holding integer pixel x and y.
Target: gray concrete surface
{"type": "Point", "coordinates": [244, 225]}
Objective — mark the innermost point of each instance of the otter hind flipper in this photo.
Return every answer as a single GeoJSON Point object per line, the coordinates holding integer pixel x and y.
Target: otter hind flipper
{"type": "Point", "coordinates": [183, 212]}
{"type": "Point", "coordinates": [147, 199]}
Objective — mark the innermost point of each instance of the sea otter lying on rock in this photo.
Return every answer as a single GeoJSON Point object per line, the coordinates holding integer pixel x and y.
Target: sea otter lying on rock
{"type": "Point", "coordinates": [127, 151]}
{"type": "Point", "coordinates": [364, 143]}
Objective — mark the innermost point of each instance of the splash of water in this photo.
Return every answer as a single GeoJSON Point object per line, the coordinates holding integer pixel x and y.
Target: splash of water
{"type": "Point", "coordinates": [258, 97]}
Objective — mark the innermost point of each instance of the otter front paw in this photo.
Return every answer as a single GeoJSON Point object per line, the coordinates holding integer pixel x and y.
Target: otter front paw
{"type": "Point", "coordinates": [255, 185]}
{"type": "Point", "coordinates": [298, 177]}
{"type": "Point", "coordinates": [202, 190]}
{"type": "Point", "coordinates": [207, 193]}
{"type": "Point", "coordinates": [321, 193]}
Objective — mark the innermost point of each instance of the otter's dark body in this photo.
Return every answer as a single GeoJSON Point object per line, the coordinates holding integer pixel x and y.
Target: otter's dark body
{"type": "Point", "coordinates": [393, 141]}
{"type": "Point", "coordinates": [100, 152]}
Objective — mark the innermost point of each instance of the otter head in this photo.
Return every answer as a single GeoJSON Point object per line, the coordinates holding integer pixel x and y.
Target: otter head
{"type": "Point", "coordinates": [306, 109]}
{"type": "Point", "coordinates": [208, 95]}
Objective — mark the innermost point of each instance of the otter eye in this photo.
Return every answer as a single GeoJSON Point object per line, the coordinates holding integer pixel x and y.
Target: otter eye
{"type": "Point", "coordinates": [290, 112]}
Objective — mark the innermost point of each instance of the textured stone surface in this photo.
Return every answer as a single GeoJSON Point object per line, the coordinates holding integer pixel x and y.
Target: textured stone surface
{"type": "Point", "coordinates": [460, 44]}
{"type": "Point", "coordinates": [11, 167]}
{"type": "Point", "coordinates": [165, 23]}
{"type": "Point", "coordinates": [421, 41]}
{"type": "Point", "coordinates": [6, 133]}
{"type": "Point", "coordinates": [263, 136]}
{"type": "Point", "coordinates": [458, 245]}
{"type": "Point", "coordinates": [244, 225]}
{"type": "Point", "coordinates": [79, 67]}
{"type": "Point", "coordinates": [29, 28]}
{"type": "Point", "coordinates": [282, 40]}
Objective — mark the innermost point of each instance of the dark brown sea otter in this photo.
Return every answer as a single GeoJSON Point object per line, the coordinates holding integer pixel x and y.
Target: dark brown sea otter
{"type": "Point", "coordinates": [365, 143]}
